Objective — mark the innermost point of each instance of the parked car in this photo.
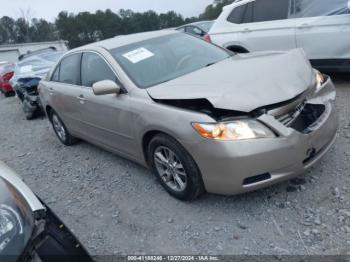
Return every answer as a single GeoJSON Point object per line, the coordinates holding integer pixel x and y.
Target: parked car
{"type": "Point", "coordinates": [37, 52]}
{"type": "Point", "coordinates": [28, 73]}
{"type": "Point", "coordinates": [320, 27]}
{"type": "Point", "coordinates": [199, 29]}
{"type": "Point", "coordinates": [201, 117]}
{"type": "Point", "coordinates": [29, 230]}
{"type": "Point", "coordinates": [6, 73]}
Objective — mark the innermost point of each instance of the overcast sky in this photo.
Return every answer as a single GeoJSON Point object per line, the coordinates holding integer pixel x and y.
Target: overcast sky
{"type": "Point", "coordinates": [49, 9]}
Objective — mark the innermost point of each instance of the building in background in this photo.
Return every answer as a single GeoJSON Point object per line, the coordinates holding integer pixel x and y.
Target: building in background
{"type": "Point", "coordinates": [11, 52]}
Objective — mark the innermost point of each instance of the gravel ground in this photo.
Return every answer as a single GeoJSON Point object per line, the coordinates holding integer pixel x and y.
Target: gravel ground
{"type": "Point", "coordinates": [116, 207]}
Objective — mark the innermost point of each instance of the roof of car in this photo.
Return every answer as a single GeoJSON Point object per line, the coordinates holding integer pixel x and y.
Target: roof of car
{"type": "Point", "coordinates": [198, 23]}
{"type": "Point", "coordinates": [201, 22]}
{"type": "Point", "coordinates": [124, 40]}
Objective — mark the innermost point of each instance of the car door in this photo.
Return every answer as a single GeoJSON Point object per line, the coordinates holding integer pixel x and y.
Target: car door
{"type": "Point", "coordinates": [264, 25]}
{"type": "Point", "coordinates": [323, 30]}
{"type": "Point", "coordinates": [63, 91]}
{"type": "Point", "coordinates": [107, 118]}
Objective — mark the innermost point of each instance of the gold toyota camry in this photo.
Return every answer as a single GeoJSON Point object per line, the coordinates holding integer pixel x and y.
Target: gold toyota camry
{"type": "Point", "coordinates": [203, 118]}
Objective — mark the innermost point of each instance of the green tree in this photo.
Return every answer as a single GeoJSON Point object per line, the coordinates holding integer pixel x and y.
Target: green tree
{"type": "Point", "coordinates": [85, 27]}
{"type": "Point", "coordinates": [214, 10]}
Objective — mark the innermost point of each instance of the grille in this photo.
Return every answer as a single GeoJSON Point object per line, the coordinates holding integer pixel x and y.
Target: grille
{"type": "Point", "coordinates": [288, 118]}
{"type": "Point", "coordinates": [301, 118]}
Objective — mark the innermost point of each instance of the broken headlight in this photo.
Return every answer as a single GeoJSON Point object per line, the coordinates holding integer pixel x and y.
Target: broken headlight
{"type": "Point", "coordinates": [320, 80]}
{"type": "Point", "coordinates": [16, 221]}
{"type": "Point", "coordinates": [234, 130]}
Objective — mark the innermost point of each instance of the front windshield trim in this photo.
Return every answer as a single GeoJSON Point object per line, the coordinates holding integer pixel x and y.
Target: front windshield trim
{"type": "Point", "coordinates": [132, 78]}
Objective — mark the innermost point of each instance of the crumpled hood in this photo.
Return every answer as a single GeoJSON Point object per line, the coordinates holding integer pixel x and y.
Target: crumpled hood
{"type": "Point", "coordinates": [243, 82]}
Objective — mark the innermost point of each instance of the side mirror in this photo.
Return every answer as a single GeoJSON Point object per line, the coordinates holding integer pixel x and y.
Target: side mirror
{"type": "Point", "coordinates": [105, 87]}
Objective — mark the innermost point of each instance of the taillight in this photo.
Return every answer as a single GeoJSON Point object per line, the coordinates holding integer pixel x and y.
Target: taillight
{"type": "Point", "coordinates": [6, 77]}
{"type": "Point", "coordinates": [207, 38]}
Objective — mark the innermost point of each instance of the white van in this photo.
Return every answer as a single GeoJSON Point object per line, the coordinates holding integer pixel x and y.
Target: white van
{"type": "Point", "coordinates": [320, 27]}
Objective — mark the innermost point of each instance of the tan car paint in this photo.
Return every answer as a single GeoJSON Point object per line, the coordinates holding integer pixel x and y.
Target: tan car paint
{"type": "Point", "coordinates": [120, 122]}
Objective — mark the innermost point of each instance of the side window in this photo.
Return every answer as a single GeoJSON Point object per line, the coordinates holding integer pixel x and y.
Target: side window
{"type": "Point", "coordinates": [315, 8]}
{"type": "Point", "coordinates": [242, 14]}
{"type": "Point", "coordinates": [95, 69]}
{"type": "Point", "coordinates": [181, 29]}
{"type": "Point", "coordinates": [69, 72]}
{"type": "Point", "coordinates": [270, 10]}
{"type": "Point", "coordinates": [56, 75]}
{"type": "Point", "coordinates": [194, 30]}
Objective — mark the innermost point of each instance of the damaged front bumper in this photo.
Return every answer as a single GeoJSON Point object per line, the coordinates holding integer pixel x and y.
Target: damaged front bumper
{"type": "Point", "coordinates": [233, 167]}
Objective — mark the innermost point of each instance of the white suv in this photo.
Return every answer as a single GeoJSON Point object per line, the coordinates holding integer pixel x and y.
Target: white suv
{"type": "Point", "coordinates": [320, 27]}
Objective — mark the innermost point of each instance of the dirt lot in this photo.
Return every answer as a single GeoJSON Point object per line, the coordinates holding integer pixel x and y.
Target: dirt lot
{"type": "Point", "coordinates": [116, 207]}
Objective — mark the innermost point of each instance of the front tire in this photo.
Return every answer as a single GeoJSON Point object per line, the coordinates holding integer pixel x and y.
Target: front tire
{"type": "Point", "coordinates": [175, 168]}
{"type": "Point", "coordinates": [61, 131]}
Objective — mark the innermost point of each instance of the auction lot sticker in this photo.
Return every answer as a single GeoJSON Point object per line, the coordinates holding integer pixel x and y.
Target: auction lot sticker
{"type": "Point", "coordinates": [138, 55]}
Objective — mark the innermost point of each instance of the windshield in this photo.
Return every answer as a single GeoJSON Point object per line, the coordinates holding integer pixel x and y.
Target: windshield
{"type": "Point", "coordinates": [16, 222]}
{"type": "Point", "coordinates": [52, 56]}
{"type": "Point", "coordinates": [165, 58]}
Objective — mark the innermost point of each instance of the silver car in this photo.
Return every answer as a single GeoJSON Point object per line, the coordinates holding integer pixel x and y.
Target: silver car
{"type": "Point", "coordinates": [203, 118]}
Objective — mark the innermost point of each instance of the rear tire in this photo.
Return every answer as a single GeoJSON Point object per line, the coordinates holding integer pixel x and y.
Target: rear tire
{"type": "Point", "coordinates": [29, 116]}
{"type": "Point", "coordinates": [9, 94]}
{"type": "Point", "coordinates": [175, 168]}
{"type": "Point", "coordinates": [61, 131]}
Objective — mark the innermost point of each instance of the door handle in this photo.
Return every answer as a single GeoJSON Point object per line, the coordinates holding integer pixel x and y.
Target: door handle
{"type": "Point", "coordinates": [246, 30]}
{"type": "Point", "coordinates": [305, 25]}
{"type": "Point", "coordinates": [82, 99]}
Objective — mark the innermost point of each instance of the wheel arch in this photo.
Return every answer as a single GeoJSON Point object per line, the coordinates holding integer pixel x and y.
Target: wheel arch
{"type": "Point", "coordinates": [146, 139]}
{"type": "Point", "coordinates": [48, 111]}
{"type": "Point", "coordinates": [237, 48]}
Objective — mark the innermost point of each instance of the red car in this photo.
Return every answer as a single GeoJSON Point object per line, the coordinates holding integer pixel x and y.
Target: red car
{"type": "Point", "coordinates": [6, 73]}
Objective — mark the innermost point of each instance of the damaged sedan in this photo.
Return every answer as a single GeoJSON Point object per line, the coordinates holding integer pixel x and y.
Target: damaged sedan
{"type": "Point", "coordinates": [203, 118]}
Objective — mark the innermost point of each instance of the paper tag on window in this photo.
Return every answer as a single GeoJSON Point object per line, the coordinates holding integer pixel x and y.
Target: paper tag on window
{"type": "Point", "coordinates": [26, 69]}
{"type": "Point", "coordinates": [138, 55]}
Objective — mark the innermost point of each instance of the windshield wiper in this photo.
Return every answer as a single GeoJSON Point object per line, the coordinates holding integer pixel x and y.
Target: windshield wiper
{"type": "Point", "coordinates": [210, 64]}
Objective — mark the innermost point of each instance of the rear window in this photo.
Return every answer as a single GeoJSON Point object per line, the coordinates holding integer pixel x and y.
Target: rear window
{"type": "Point", "coordinates": [241, 14]}
{"type": "Point", "coordinates": [314, 8]}
{"type": "Point", "coordinates": [260, 11]}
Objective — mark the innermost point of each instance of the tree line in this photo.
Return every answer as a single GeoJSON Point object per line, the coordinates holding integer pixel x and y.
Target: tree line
{"type": "Point", "coordinates": [85, 27]}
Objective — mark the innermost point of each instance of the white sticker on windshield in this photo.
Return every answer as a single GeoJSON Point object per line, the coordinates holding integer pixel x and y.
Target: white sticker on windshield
{"type": "Point", "coordinates": [138, 55]}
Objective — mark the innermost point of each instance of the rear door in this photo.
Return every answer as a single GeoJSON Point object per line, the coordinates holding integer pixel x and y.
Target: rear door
{"type": "Point", "coordinates": [63, 91]}
{"type": "Point", "coordinates": [264, 25]}
{"type": "Point", "coordinates": [107, 118]}
{"type": "Point", "coordinates": [323, 30]}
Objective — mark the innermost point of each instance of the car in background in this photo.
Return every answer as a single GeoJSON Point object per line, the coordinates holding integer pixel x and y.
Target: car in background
{"type": "Point", "coordinates": [320, 27]}
{"type": "Point", "coordinates": [6, 73]}
{"type": "Point", "coordinates": [29, 230]}
{"type": "Point", "coordinates": [27, 74]}
{"type": "Point", "coordinates": [203, 118]}
{"type": "Point", "coordinates": [199, 29]}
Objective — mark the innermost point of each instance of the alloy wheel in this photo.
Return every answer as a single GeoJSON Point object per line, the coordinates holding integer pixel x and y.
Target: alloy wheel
{"type": "Point", "coordinates": [59, 128]}
{"type": "Point", "coordinates": [170, 169]}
